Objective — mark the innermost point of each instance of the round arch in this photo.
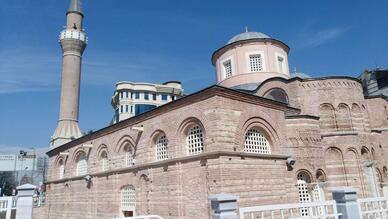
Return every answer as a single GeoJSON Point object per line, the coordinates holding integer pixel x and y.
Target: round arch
{"type": "Point", "coordinates": [277, 94]}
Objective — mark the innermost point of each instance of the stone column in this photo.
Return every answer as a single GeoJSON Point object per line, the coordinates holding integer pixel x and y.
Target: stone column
{"type": "Point", "coordinates": [224, 206]}
{"type": "Point", "coordinates": [24, 202]}
{"type": "Point", "coordinates": [346, 198]}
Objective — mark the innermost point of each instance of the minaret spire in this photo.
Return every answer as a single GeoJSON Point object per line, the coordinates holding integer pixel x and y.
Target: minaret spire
{"type": "Point", "coordinates": [75, 7]}
{"type": "Point", "coordinates": [73, 42]}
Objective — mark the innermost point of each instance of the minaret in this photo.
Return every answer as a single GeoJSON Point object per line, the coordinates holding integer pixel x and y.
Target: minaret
{"type": "Point", "coordinates": [73, 41]}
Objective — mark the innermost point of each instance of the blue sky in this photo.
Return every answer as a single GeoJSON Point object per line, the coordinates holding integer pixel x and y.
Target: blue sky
{"type": "Point", "coordinates": [156, 41]}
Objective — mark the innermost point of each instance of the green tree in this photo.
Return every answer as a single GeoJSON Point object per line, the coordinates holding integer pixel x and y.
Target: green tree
{"type": "Point", "coordinates": [7, 182]}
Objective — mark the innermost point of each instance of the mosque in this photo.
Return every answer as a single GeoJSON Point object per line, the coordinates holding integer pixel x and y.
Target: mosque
{"type": "Point", "coordinates": [259, 134]}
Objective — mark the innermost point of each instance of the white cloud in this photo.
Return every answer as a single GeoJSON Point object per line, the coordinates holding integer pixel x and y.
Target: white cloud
{"type": "Point", "coordinates": [315, 39]}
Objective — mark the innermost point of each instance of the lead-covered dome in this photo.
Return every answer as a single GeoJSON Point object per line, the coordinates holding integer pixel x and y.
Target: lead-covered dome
{"type": "Point", "coordinates": [248, 36]}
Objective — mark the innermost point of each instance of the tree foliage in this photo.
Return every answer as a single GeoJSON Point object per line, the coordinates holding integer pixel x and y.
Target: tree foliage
{"type": "Point", "coordinates": [7, 183]}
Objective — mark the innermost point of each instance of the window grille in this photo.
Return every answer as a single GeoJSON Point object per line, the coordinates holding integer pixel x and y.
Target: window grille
{"type": "Point", "coordinates": [161, 148]}
{"type": "Point", "coordinates": [280, 64]}
{"type": "Point", "coordinates": [128, 198]}
{"type": "Point", "coordinates": [317, 194]}
{"type": "Point", "coordinates": [82, 166]}
{"type": "Point", "coordinates": [228, 69]}
{"type": "Point", "coordinates": [304, 196]}
{"type": "Point", "coordinates": [104, 164]}
{"type": "Point", "coordinates": [104, 161]}
{"type": "Point", "coordinates": [194, 140]}
{"type": "Point", "coordinates": [255, 142]}
{"type": "Point", "coordinates": [129, 158]}
{"type": "Point", "coordinates": [255, 63]}
{"type": "Point", "coordinates": [61, 171]}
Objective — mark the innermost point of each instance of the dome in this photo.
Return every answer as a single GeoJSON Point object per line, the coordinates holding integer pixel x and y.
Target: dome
{"type": "Point", "coordinates": [248, 36]}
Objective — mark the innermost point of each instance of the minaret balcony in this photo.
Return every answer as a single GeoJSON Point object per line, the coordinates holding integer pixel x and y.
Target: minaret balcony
{"type": "Point", "coordinates": [73, 34]}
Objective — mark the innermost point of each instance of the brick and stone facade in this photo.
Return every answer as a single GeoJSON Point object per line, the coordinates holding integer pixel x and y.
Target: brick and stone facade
{"type": "Point", "coordinates": [331, 149]}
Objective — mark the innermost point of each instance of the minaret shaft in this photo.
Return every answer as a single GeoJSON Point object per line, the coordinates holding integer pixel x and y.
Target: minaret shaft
{"type": "Point", "coordinates": [73, 41]}
{"type": "Point", "coordinates": [70, 88]}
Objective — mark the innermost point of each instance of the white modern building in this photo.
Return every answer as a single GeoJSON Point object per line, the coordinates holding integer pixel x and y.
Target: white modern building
{"type": "Point", "coordinates": [24, 160]}
{"type": "Point", "coordinates": [130, 99]}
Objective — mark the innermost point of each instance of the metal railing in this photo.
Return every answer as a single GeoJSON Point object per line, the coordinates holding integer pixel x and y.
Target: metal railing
{"type": "Point", "coordinates": [373, 208]}
{"type": "Point", "coordinates": [143, 217]}
{"type": "Point", "coordinates": [312, 210]}
{"type": "Point", "coordinates": [7, 204]}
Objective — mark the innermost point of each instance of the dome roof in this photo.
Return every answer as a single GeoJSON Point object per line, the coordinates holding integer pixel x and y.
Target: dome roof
{"type": "Point", "coordinates": [247, 36]}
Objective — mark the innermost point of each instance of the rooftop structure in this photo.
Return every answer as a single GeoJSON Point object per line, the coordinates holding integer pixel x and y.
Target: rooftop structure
{"type": "Point", "coordinates": [250, 58]}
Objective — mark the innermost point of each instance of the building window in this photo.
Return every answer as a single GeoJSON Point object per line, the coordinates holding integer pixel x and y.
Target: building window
{"type": "Point", "coordinates": [137, 95]}
{"type": "Point", "coordinates": [228, 68]}
{"type": "Point", "coordinates": [280, 64]}
{"type": "Point", "coordinates": [121, 95]}
{"type": "Point", "coordinates": [194, 140]}
{"type": "Point", "coordinates": [164, 97]}
{"type": "Point", "coordinates": [255, 63]}
{"type": "Point", "coordinates": [131, 109]}
{"type": "Point", "coordinates": [104, 161]}
{"type": "Point", "coordinates": [129, 161]}
{"type": "Point", "coordinates": [121, 108]}
{"type": "Point", "coordinates": [128, 198]}
{"type": "Point", "coordinates": [161, 148]}
{"type": "Point", "coordinates": [146, 97]}
{"type": "Point", "coordinates": [82, 165]}
{"type": "Point", "coordinates": [142, 108]}
{"type": "Point", "coordinates": [126, 108]}
{"type": "Point", "coordinates": [126, 94]}
{"type": "Point", "coordinates": [304, 195]}
{"type": "Point", "coordinates": [154, 96]}
{"type": "Point", "coordinates": [255, 142]}
{"type": "Point", "coordinates": [61, 169]}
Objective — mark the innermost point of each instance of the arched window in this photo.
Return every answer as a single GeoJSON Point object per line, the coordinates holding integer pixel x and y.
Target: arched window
{"type": "Point", "coordinates": [327, 117]}
{"type": "Point", "coordinates": [129, 156]}
{"type": "Point", "coordinates": [128, 198]}
{"type": "Point", "coordinates": [61, 169]}
{"type": "Point", "coordinates": [194, 140]}
{"type": "Point", "coordinates": [255, 142]}
{"type": "Point", "coordinates": [357, 118]}
{"type": "Point", "coordinates": [161, 145]}
{"type": "Point", "coordinates": [277, 94]}
{"type": "Point", "coordinates": [82, 165]}
{"type": "Point", "coordinates": [104, 161]}
{"type": "Point", "coordinates": [303, 178]}
{"type": "Point", "coordinates": [344, 122]}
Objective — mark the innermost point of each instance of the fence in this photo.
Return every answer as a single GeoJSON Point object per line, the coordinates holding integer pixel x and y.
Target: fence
{"type": "Point", "coordinates": [313, 210]}
{"type": "Point", "coordinates": [143, 217]}
{"type": "Point", "coordinates": [345, 205]}
{"type": "Point", "coordinates": [21, 204]}
{"type": "Point", "coordinates": [7, 204]}
{"type": "Point", "coordinates": [373, 208]}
